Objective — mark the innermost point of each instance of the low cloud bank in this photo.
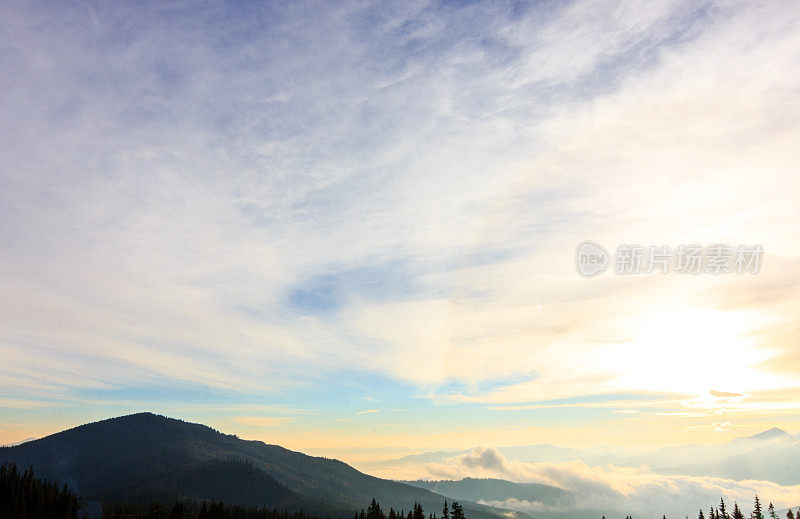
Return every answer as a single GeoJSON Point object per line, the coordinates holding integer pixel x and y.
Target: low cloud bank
{"type": "Point", "coordinates": [612, 489]}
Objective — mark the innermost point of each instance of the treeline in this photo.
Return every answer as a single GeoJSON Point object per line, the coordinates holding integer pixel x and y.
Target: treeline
{"type": "Point", "coordinates": [723, 512]}
{"type": "Point", "coordinates": [23, 496]}
{"type": "Point", "coordinates": [374, 511]}
{"type": "Point", "coordinates": [190, 509]}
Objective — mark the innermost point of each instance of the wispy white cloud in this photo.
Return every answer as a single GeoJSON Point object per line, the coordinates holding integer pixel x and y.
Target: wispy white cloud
{"type": "Point", "coordinates": [248, 198]}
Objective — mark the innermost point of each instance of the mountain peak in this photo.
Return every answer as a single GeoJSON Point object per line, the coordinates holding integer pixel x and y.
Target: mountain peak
{"type": "Point", "coordinates": [769, 434]}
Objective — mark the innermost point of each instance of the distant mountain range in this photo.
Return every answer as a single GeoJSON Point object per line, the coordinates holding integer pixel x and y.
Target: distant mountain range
{"type": "Point", "coordinates": [145, 457]}
{"type": "Point", "coordinates": [772, 455]}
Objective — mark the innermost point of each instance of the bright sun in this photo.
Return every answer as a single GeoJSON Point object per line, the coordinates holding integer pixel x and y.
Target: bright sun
{"type": "Point", "coordinates": [694, 350]}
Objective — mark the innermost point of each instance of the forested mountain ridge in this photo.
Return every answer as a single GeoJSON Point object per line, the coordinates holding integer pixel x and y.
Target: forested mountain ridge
{"type": "Point", "coordinates": [146, 456]}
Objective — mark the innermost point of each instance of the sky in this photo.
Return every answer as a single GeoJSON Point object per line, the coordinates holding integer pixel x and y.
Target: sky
{"type": "Point", "coordinates": [349, 228]}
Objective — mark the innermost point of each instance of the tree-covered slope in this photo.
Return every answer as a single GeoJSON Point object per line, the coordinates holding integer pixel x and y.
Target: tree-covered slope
{"type": "Point", "coordinates": [143, 456]}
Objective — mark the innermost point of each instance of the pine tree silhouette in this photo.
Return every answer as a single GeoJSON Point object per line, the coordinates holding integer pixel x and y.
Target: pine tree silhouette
{"type": "Point", "coordinates": [722, 513]}
{"type": "Point", "coordinates": [757, 512]}
{"type": "Point", "coordinates": [24, 496]}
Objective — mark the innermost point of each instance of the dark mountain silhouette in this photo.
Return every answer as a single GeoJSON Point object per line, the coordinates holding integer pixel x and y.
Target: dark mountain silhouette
{"type": "Point", "coordinates": [148, 457]}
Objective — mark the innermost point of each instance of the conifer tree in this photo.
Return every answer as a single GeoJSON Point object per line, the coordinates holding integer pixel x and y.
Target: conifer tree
{"type": "Point", "coordinates": [700, 515]}
{"type": "Point", "coordinates": [374, 511]}
{"type": "Point", "coordinates": [722, 513]}
{"type": "Point", "coordinates": [23, 495]}
{"type": "Point", "coordinates": [446, 511]}
{"type": "Point", "coordinates": [772, 514]}
{"type": "Point", "coordinates": [737, 513]}
{"type": "Point", "coordinates": [790, 514]}
{"type": "Point", "coordinates": [757, 512]}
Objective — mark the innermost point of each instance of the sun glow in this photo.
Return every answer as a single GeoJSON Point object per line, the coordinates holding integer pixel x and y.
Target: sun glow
{"type": "Point", "coordinates": [694, 350]}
